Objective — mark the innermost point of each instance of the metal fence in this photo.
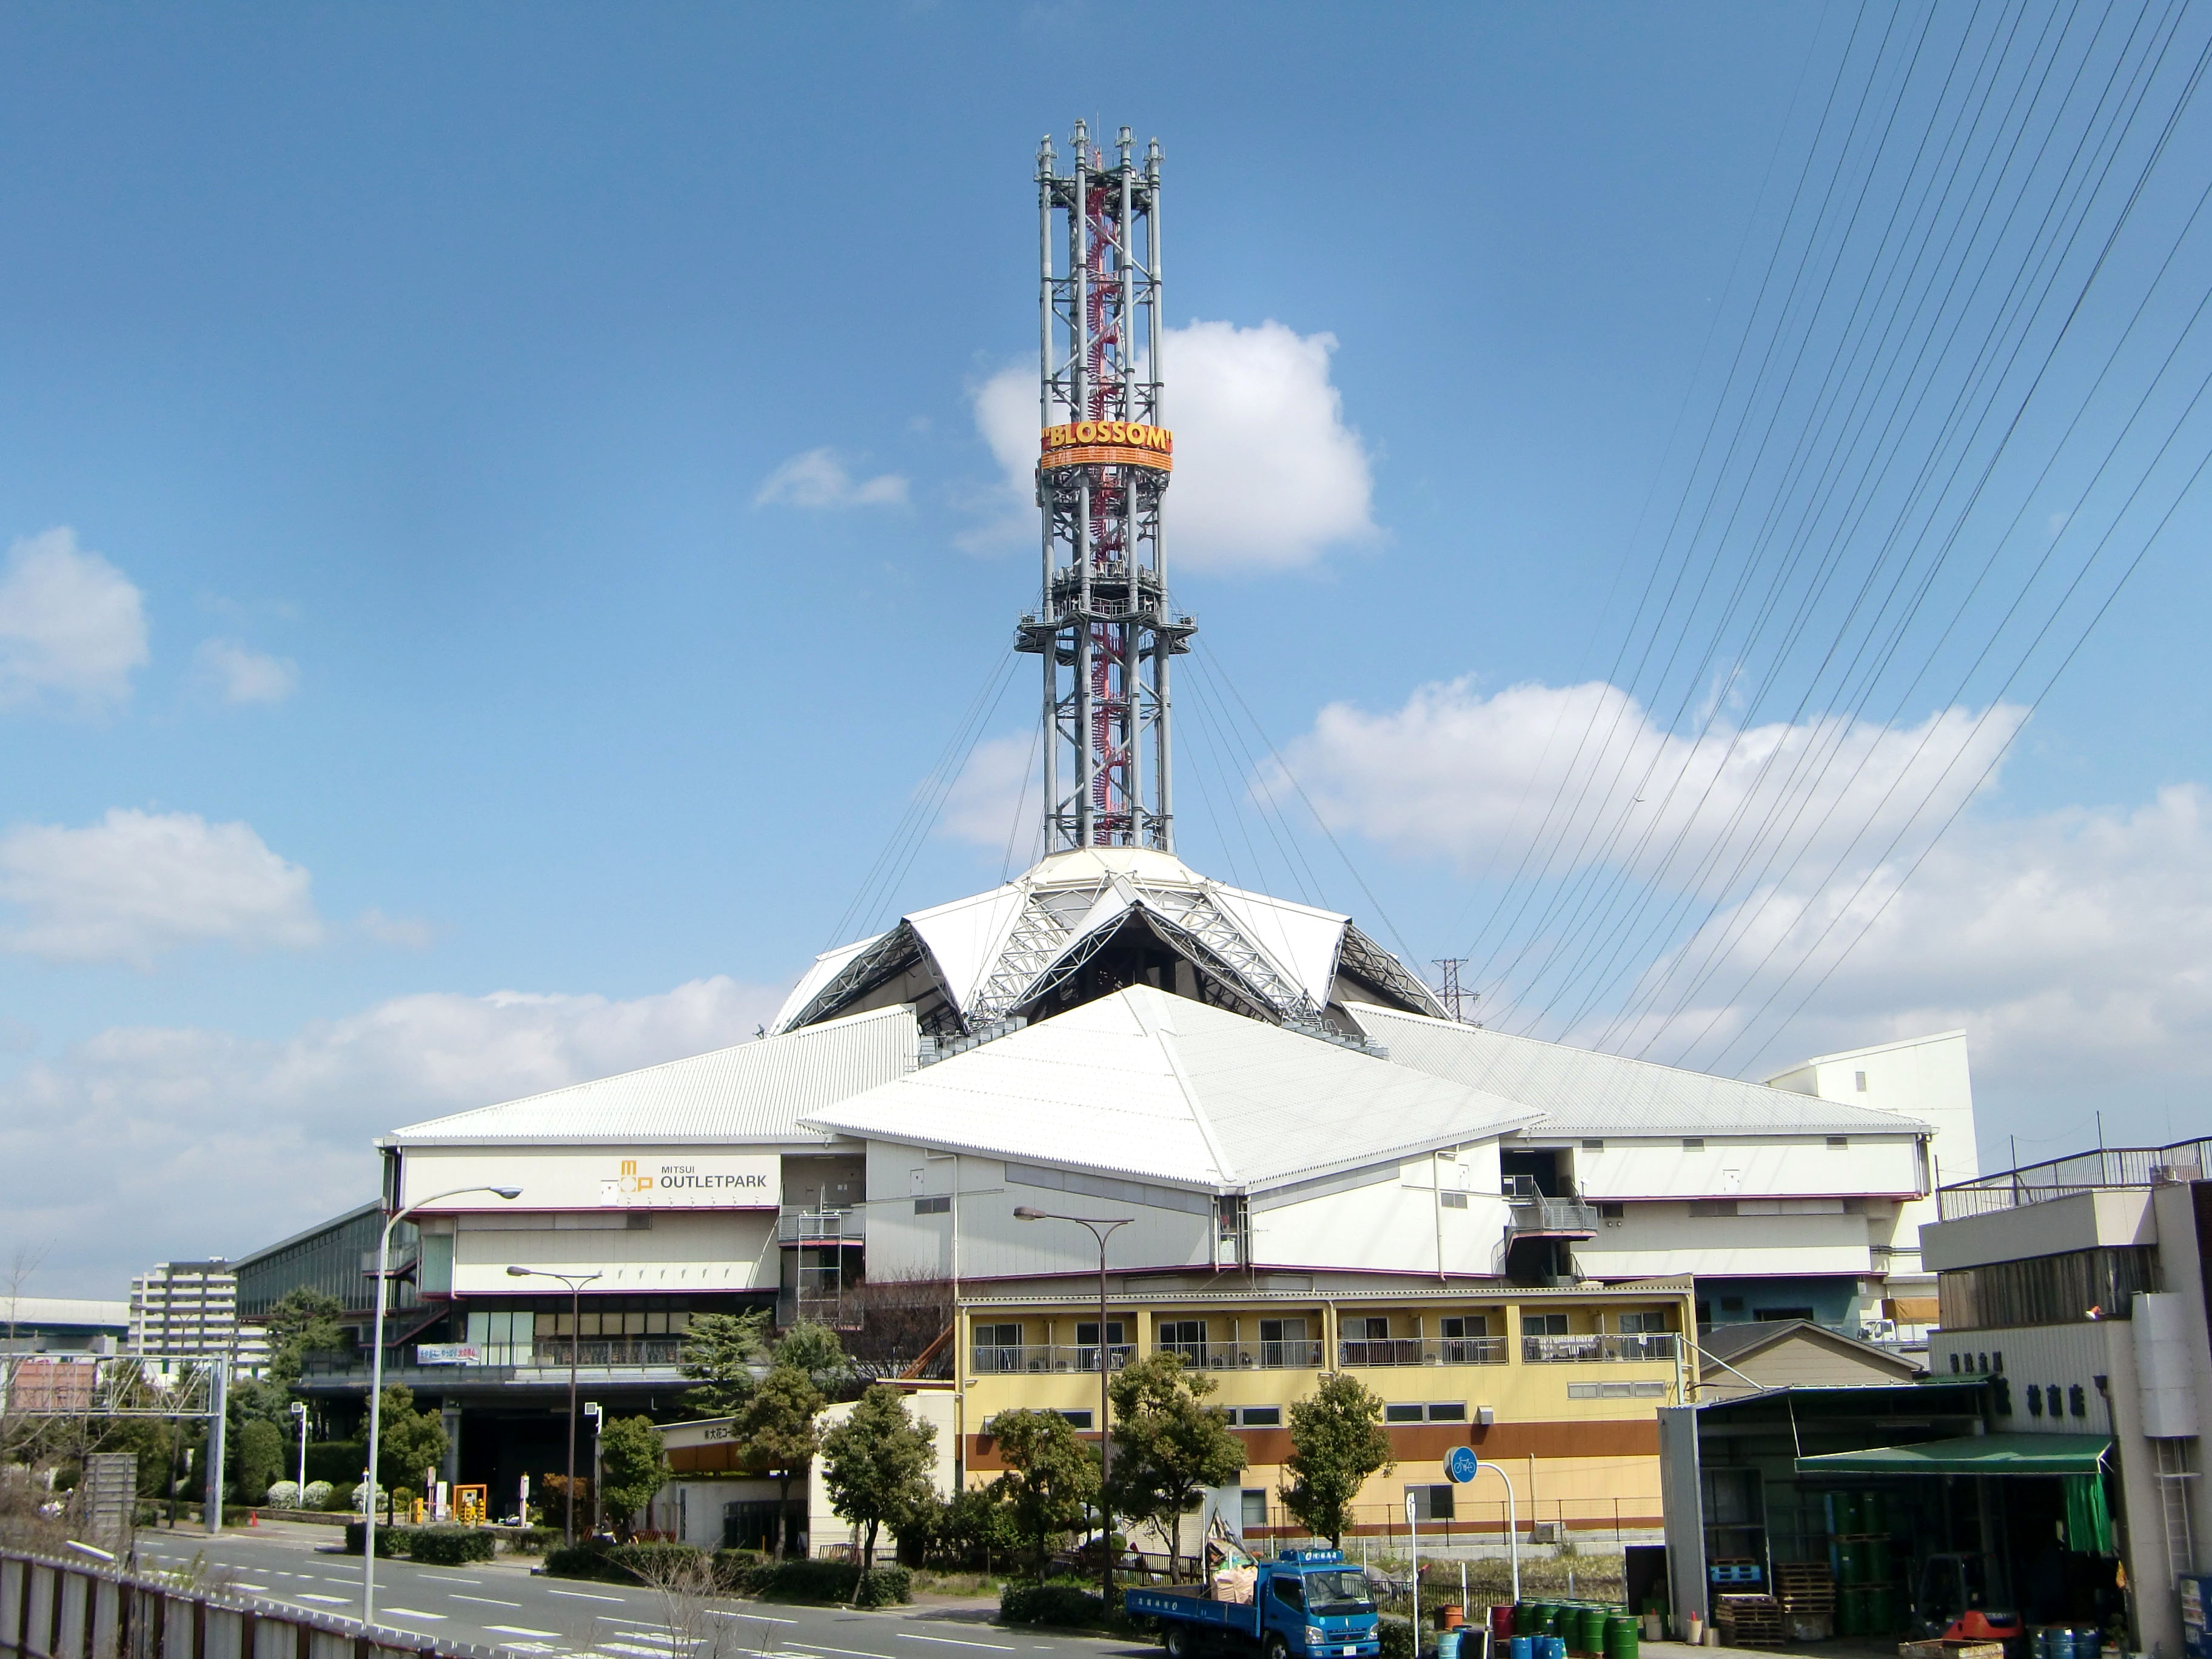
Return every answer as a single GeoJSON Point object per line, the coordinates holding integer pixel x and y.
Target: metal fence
{"type": "Point", "coordinates": [1425, 1350]}
{"type": "Point", "coordinates": [2082, 1172]}
{"type": "Point", "coordinates": [1573, 1350]}
{"type": "Point", "coordinates": [54, 1609]}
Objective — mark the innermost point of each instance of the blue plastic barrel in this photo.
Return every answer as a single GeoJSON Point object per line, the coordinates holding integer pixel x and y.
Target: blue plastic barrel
{"type": "Point", "coordinates": [2061, 1642]}
{"type": "Point", "coordinates": [1447, 1644]}
{"type": "Point", "coordinates": [1522, 1647]}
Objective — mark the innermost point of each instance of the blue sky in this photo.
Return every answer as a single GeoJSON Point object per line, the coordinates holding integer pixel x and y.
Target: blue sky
{"type": "Point", "coordinates": [425, 371]}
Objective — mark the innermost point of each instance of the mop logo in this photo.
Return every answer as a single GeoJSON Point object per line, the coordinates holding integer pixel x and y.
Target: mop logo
{"type": "Point", "coordinates": [630, 1180]}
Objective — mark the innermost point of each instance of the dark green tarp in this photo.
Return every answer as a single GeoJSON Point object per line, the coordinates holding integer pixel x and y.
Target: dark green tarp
{"type": "Point", "coordinates": [1974, 1454]}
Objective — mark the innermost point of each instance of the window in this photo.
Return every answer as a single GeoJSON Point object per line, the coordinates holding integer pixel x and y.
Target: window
{"type": "Point", "coordinates": [1458, 1328]}
{"type": "Point", "coordinates": [1693, 1143]}
{"type": "Point", "coordinates": [2077, 1400]}
{"type": "Point", "coordinates": [1371, 1330]}
{"type": "Point", "coordinates": [998, 1347]}
{"type": "Point", "coordinates": [1839, 1142]}
{"type": "Point", "coordinates": [1290, 1591]}
{"type": "Point", "coordinates": [1616, 1391]}
{"type": "Point", "coordinates": [1776, 1315]}
{"type": "Point", "coordinates": [1858, 1081]}
{"type": "Point", "coordinates": [1431, 1411]}
{"type": "Point", "coordinates": [1075, 1419]}
{"type": "Point", "coordinates": [1285, 1342]}
{"type": "Point", "coordinates": [941, 1205]}
{"type": "Point", "coordinates": [1712, 1207]}
{"type": "Point", "coordinates": [1732, 1304]}
{"type": "Point", "coordinates": [1543, 1324]}
{"type": "Point", "coordinates": [1086, 1333]}
{"type": "Point", "coordinates": [1639, 1324]}
{"type": "Point", "coordinates": [1449, 1411]}
{"type": "Point", "coordinates": [2048, 1290]}
{"type": "Point", "coordinates": [1453, 1201]}
{"type": "Point", "coordinates": [1256, 1507]}
{"type": "Point", "coordinates": [1613, 1212]}
{"type": "Point", "coordinates": [1257, 1417]}
{"type": "Point", "coordinates": [1186, 1337]}
{"type": "Point", "coordinates": [1432, 1503]}
{"type": "Point", "coordinates": [1401, 1414]}
{"type": "Point", "coordinates": [638, 1221]}
{"type": "Point", "coordinates": [1593, 1145]}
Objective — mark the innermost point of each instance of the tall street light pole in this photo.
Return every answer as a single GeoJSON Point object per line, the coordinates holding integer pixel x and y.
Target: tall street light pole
{"type": "Point", "coordinates": [1100, 1230]}
{"type": "Point", "coordinates": [300, 1411]}
{"type": "Point", "coordinates": [376, 1381]}
{"type": "Point", "coordinates": [576, 1282]}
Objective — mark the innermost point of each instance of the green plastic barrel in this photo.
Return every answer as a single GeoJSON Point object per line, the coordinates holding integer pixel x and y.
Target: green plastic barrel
{"type": "Point", "coordinates": [1592, 1620]}
{"type": "Point", "coordinates": [1524, 1618]}
{"type": "Point", "coordinates": [1850, 1610]}
{"type": "Point", "coordinates": [1851, 1567]}
{"type": "Point", "coordinates": [1623, 1636]}
{"type": "Point", "coordinates": [1549, 1612]}
{"type": "Point", "coordinates": [1874, 1558]}
{"type": "Point", "coordinates": [1873, 1513]}
{"type": "Point", "coordinates": [1844, 1513]}
{"type": "Point", "coordinates": [1880, 1620]}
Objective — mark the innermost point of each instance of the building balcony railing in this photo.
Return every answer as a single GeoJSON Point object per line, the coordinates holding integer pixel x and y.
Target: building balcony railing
{"type": "Point", "coordinates": [819, 1227]}
{"type": "Point", "coordinates": [550, 1353]}
{"type": "Point", "coordinates": [1553, 1217]}
{"type": "Point", "coordinates": [1658, 1346]}
{"type": "Point", "coordinates": [1425, 1351]}
{"type": "Point", "coordinates": [1005, 1359]}
{"type": "Point", "coordinates": [1291, 1356]}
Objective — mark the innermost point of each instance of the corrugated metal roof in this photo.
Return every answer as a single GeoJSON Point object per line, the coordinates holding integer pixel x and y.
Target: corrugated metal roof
{"type": "Point", "coordinates": [1583, 1092]}
{"type": "Point", "coordinates": [1145, 1084]}
{"type": "Point", "coordinates": [756, 1091]}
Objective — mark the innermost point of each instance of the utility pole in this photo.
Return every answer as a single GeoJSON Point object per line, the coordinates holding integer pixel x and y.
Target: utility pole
{"type": "Point", "coordinates": [1450, 993]}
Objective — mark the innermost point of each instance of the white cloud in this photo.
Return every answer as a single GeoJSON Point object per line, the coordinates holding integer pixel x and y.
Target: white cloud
{"type": "Point", "coordinates": [1267, 476]}
{"type": "Point", "coordinates": [1479, 779]}
{"type": "Point", "coordinates": [71, 624]}
{"type": "Point", "coordinates": [241, 675]}
{"type": "Point", "coordinates": [403, 932]}
{"type": "Point", "coordinates": [151, 1143]}
{"type": "Point", "coordinates": [136, 884]}
{"type": "Point", "coordinates": [820, 478]}
{"type": "Point", "coordinates": [998, 782]}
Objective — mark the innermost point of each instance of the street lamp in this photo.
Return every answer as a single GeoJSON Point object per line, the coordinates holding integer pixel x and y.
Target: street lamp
{"type": "Point", "coordinates": [299, 1411]}
{"type": "Point", "coordinates": [1100, 1230]}
{"type": "Point", "coordinates": [376, 1381]}
{"type": "Point", "coordinates": [576, 1282]}
{"type": "Point", "coordinates": [598, 1423]}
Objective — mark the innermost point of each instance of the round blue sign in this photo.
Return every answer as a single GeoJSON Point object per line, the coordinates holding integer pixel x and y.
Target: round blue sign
{"type": "Point", "coordinates": [1459, 1464]}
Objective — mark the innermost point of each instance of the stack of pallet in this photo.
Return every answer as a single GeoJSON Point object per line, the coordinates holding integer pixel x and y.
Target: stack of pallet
{"type": "Point", "coordinates": [1807, 1592]}
{"type": "Point", "coordinates": [1749, 1621]}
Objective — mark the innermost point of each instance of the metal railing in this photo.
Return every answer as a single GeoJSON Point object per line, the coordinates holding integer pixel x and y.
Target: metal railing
{"type": "Point", "coordinates": [819, 1226]}
{"type": "Point", "coordinates": [1425, 1351]}
{"type": "Point", "coordinates": [1295, 1355]}
{"type": "Point", "coordinates": [2066, 1177]}
{"type": "Point", "coordinates": [1657, 1346]}
{"type": "Point", "coordinates": [1553, 1215]}
{"type": "Point", "coordinates": [77, 1610]}
{"type": "Point", "coordinates": [999, 1358]}
{"type": "Point", "coordinates": [604, 1353]}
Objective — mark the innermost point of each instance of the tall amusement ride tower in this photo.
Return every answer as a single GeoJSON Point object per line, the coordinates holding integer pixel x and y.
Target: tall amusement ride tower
{"type": "Point", "coordinates": [1102, 628]}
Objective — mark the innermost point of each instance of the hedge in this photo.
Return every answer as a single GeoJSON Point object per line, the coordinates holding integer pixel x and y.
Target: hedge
{"type": "Point", "coordinates": [740, 1572]}
{"type": "Point", "coordinates": [1396, 1636]}
{"type": "Point", "coordinates": [449, 1546]}
{"type": "Point", "coordinates": [1051, 1604]}
{"type": "Point", "coordinates": [392, 1543]}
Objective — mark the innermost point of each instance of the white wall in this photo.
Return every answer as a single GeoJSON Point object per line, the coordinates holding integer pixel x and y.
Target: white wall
{"type": "Point", "coordinates": [939, 1407]}
{"type": "Point", "coordinates": [1394, 1224]}
{"type": "Point", "coordinates": [1748, 1167]}
{"type": "Point", "coordinates": [698, 1250]}
{"type": "Point", "coordinates": [1654, 1240]}
{"type": "Point", "coordinates": [1926, 1078]}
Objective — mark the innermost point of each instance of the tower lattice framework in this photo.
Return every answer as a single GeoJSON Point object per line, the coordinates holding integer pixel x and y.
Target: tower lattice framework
{"type": "Point", "coordinates": [1103, 627]}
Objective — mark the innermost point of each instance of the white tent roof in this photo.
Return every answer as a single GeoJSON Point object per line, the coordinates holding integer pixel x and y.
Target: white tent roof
{"type": "Point", "coordinates": [1147, 1084]}
{"type": "Point", "coordinates": [755, 1092]}
{"type": "Point", "coordinates": [991, 953]}
{"type": "Point", "coordinates": [1582, 1092]}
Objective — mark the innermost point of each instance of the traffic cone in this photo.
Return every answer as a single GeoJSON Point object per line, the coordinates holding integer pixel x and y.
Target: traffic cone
{"type": "Point", "coordinates": [253, 1517]}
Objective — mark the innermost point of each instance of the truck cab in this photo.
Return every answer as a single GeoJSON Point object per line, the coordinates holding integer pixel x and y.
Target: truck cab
{"type": "Point", "coordinates": [1305, 1604]}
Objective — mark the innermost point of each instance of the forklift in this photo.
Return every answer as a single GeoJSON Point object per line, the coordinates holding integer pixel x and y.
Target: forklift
{"type": "Point", "coordinates": [1950, 1603]}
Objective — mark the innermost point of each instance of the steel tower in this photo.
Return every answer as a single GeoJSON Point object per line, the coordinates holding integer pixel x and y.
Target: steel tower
{"type": "Point", "coordinates": [1101, 626]}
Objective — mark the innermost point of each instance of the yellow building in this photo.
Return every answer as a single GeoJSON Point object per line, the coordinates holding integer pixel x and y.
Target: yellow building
{"type": "Point", "coordinates": [1559, 1388]}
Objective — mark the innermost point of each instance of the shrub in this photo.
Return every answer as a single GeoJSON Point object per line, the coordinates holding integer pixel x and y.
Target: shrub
{"type": "Point", "coordinates": [356, 1499]}
{"type": "Point", "coordinates": [285, 1495]}
{"type": "Point", "coordinates": [449, 1546]}
{"type": "Point", "coordinates": [828, 1582]}
{"type": "Point", "coordinates": [317, 1495]}
{"type": "Point", "coordinates": [1064, 1603]}
{"type": "Point", "coordinates": [736, 1569]}
{"type": "Point", "coordinates": [616, 1563]}
{"type": "Point", "coordinates": [1396, 1637]}
{"type": "Point", "coordinates": [883, 1587]}
{"type": "Point", "coordinates": [392, 1543]}
{"type": "Point", "coordinates": [533, 1540]}
{"type": "Point", "coordinates": [586, 1560]}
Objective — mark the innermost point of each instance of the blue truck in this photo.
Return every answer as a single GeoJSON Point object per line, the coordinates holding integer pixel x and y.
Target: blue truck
{"type": "Point", "coordinates": [1306, 1604]}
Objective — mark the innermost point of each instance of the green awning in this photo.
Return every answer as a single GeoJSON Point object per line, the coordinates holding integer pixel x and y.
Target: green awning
{"type": "Point", "coordinates": [1974, 1454]}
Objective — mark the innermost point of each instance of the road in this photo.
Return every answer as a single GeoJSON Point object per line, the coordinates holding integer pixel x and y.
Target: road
{"type": "Point", "coordinates": [502, 1603]}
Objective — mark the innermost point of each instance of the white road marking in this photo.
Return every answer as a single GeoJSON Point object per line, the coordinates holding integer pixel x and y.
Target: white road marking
{"type": "Point", "coordinates": [334, 1601]}
{"type": "Point", "coordinates": [410, 1613]}
{"type": "Point", "coordinates": [447, 1578]}
{"type": "Point", "coordinates": [258, 1589]}
{"type": "Point", "coordinates": [624, 1646]}
{"type": "Point", "coordinates": [955, 1642]}
{"type": "Point", "coordinates": [521, 1630]}
{"type": "Point", "coordinates": [585, 1596]}
{"type": "Point", "coordinates": [488, 1600]}
{"type": "Point", "coordinates": [855, 1653]}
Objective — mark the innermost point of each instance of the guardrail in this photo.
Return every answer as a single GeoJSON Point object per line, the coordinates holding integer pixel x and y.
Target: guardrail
{"type": "Point", "coordinates": [547, 1353]}
{"type": "Point", "coordinates": [2066, 1177]}
{"type": "Point", "coordinates": [1296, 1355]}
{"type": "Point", "coordinates": [52, 1609]}
{"type": "Point", "coordinates": [1000, 1359]}
{"type": "Point", "coordinates": [1425, 1351]}
{"type": "Point", "coordinates": [1610, 1346]}
{"type": "Point", "coordinates": [825, 1226]}
{"type": "Point", "coordinates": [1553, 1215]}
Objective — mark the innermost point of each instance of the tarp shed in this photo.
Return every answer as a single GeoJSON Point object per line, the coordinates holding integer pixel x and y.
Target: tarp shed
{"type": "Point", "coordinates": [1976, 1454]}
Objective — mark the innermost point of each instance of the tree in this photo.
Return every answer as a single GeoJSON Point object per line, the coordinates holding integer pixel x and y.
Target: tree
{"type": "Point", "coordinates": [259, 1459]}
{"type": "Point", "coordinates": [724, 1354]}
{"type": "Point", "coordinates": [775, 1430]}
{"type": "Point", "coordinates": [1337, 1441]}
{"type": "Point", "coordinates": [632, 1468]}
{"type": "Point", "coordinates": [409, 1442]}
{"type": "Point", "coordinates": [302, 1322]}
{"type": "Point", "coordinates": [1051, 1477]}
{"type": "Point", "coordinates": [877, 1464]}
{"type": "Point", "coordinates": [1169, 1446]}
{"type": "Point", "coordinates": [811, 1346]}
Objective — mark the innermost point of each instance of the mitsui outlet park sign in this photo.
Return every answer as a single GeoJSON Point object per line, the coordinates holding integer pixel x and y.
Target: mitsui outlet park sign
{"type": "Point", "coordinates": [591, 1177]}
